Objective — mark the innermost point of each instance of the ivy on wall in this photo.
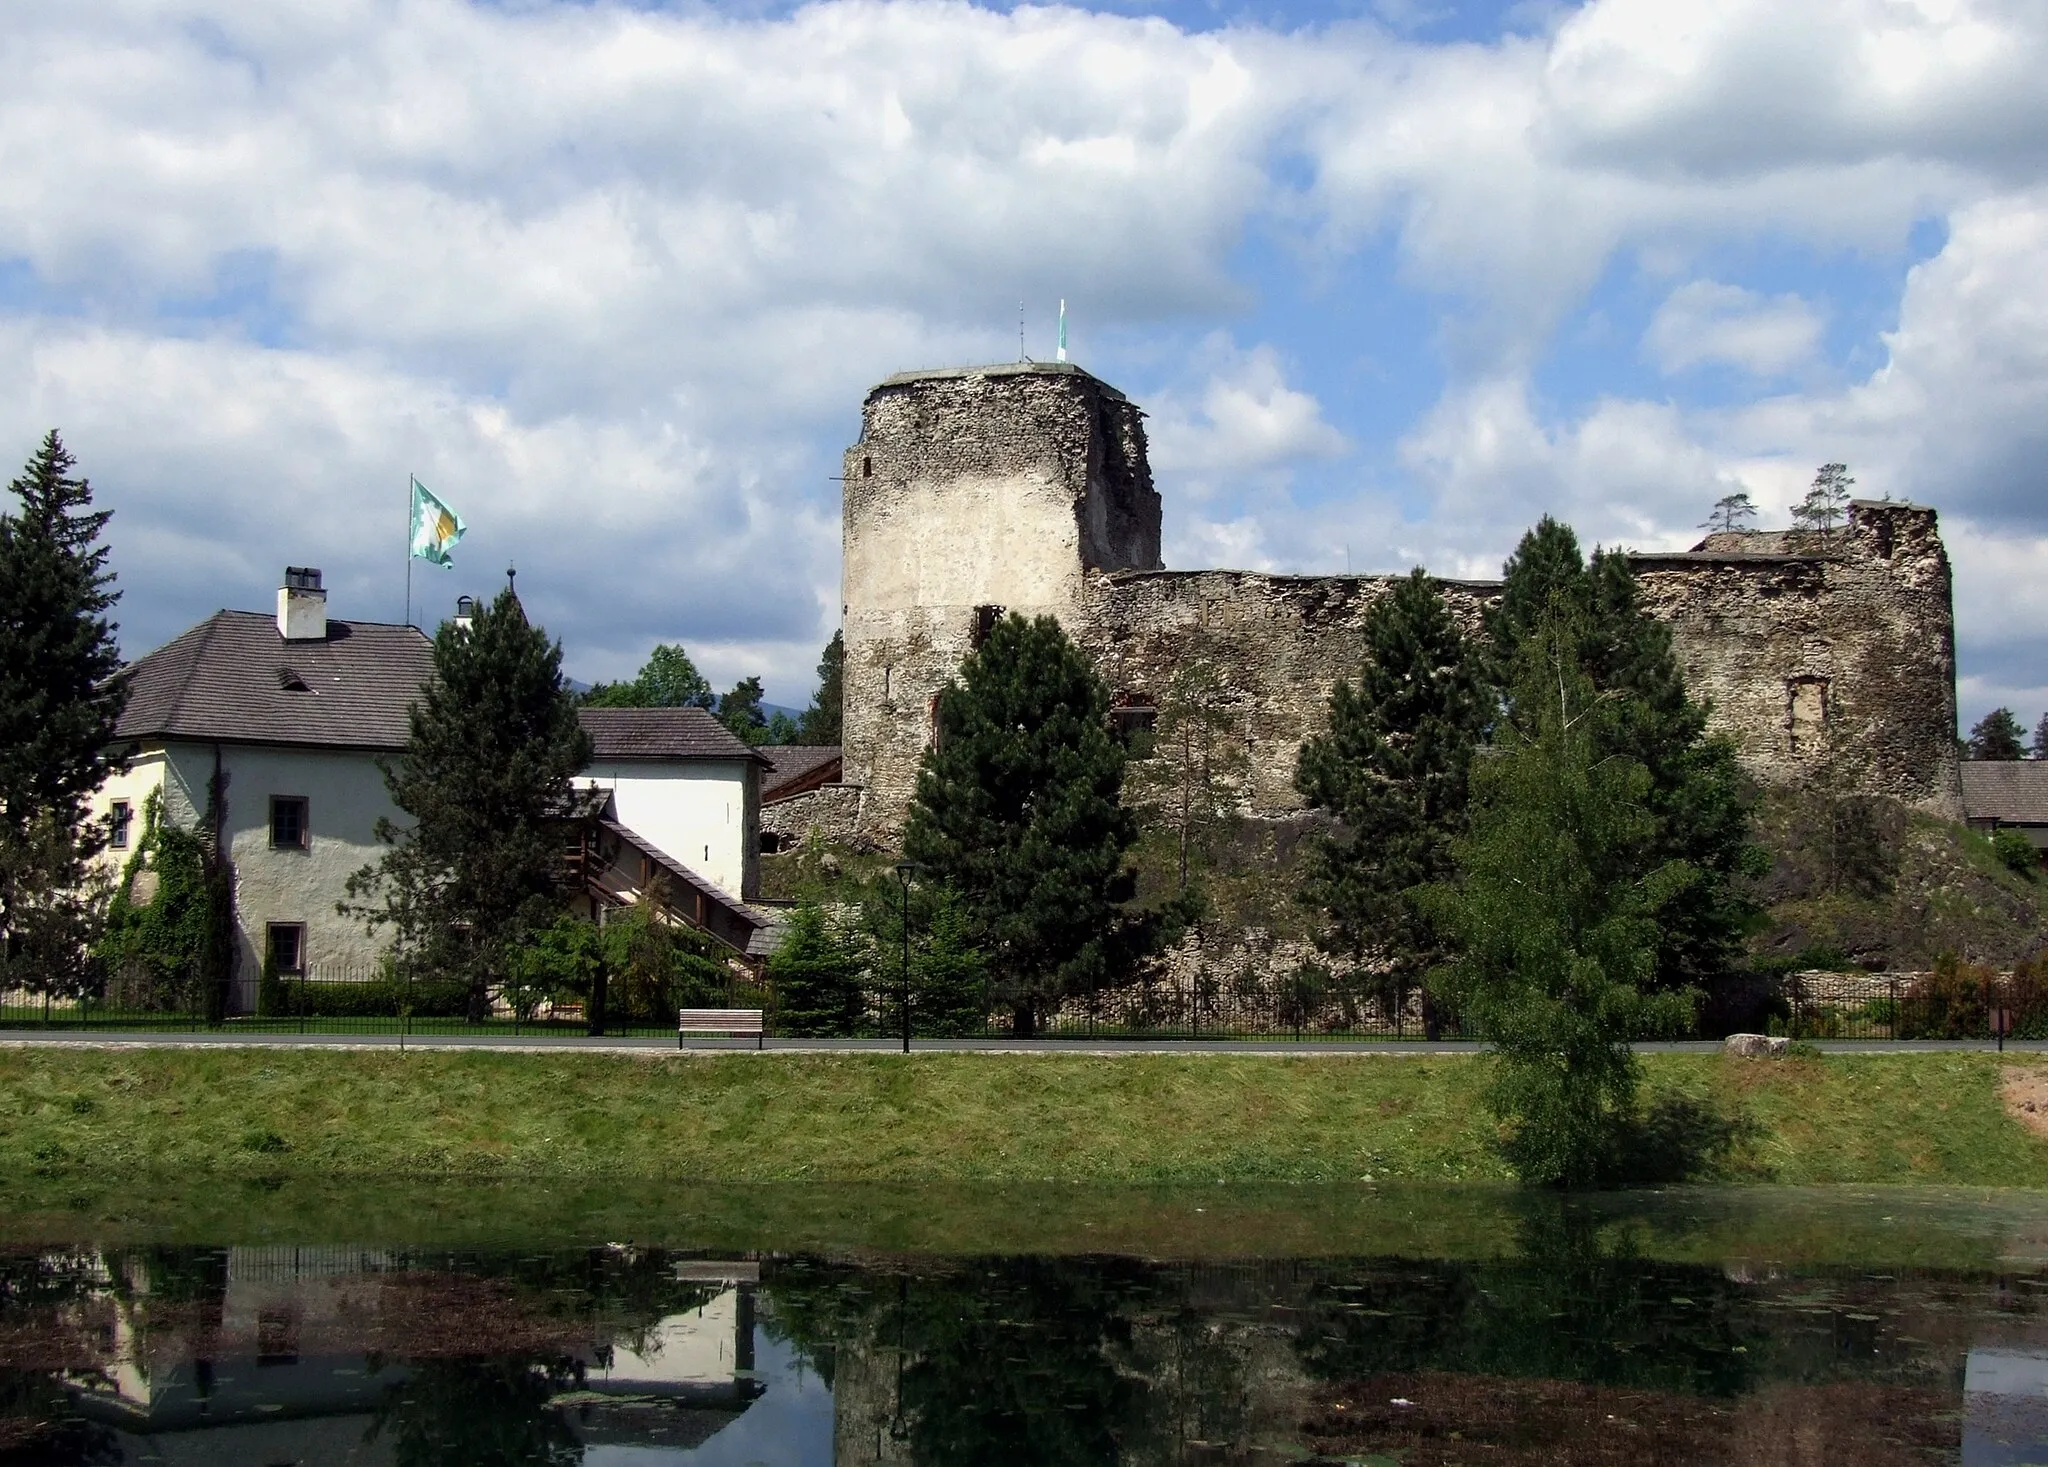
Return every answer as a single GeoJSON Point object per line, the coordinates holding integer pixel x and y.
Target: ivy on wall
{"type": "Point", "coordinates": [169, 941]}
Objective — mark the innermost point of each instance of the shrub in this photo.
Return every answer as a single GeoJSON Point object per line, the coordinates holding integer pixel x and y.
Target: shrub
{"type": "Point", "coordinates": [1948, 1003]}
{"type": "Point", "coordinates": [383, 998]}
{"type": "Point", "coordinates": [2026, 996]}
{"type": "Point", "coordinates": [2017, 853]}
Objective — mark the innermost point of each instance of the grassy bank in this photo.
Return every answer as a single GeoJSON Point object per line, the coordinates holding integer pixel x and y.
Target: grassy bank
{"type": "Point", "coordinates": [1928, 1118]}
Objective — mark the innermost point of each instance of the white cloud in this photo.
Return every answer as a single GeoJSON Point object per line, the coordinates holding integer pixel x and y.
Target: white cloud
{"type": "Point", "coordinates": [1706, 321]}
{"type": "Point", "coordinates": [1243, 423]}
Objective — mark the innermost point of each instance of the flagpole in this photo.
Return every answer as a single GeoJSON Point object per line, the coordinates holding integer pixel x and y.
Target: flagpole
{"type": "Point", "coordinates": [408, 552]}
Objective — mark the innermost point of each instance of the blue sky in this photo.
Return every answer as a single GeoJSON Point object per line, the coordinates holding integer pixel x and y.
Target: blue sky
{"type": "Point", "coordinates": [1391, 279]}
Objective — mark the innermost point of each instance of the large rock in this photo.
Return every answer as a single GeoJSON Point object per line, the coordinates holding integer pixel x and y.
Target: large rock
{"type": "Point", "coordinates": [1755, 1046]}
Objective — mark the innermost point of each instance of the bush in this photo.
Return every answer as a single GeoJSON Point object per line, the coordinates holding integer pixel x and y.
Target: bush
{"type": "Point", "coordinates": [2017, 853]}
{"type": "Point", "coordinates": [383, 998]}
{"type": "Point", "coordinates": [2026, 996]}
{"type": "Point", "coordinates": [1948, 1003]}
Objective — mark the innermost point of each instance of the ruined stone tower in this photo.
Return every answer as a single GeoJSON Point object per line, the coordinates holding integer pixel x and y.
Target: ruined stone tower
{"type": "Point", "coordinates": [1025, 488]}
{"type": "Point", "coordinates": [972, 493]}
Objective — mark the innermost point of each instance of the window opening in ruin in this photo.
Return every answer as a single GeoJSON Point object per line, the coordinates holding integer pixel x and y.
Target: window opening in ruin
{"type": "Point", "coordinates": [867, 467]}
{"type": "Point", "coordinates": [985, 619]}
{"type": "Point", "coordinates": [1136, 726]}
{"type": "Point", "coordinates": [887, 677]}
{"type": "Point", "coordinates": [1806, 712]}
{"type": "Point", "coordinates": [935, 733]}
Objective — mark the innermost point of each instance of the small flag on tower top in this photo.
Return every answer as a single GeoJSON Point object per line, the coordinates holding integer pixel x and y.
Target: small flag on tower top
{"type": "Point", "coordinates": [1061, 356]}
{"type": "Point", "coordinates": [435, 527]}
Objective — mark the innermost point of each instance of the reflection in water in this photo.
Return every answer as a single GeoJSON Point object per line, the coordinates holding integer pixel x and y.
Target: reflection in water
{"type": "Point", "coordinates": [1570, 1348]}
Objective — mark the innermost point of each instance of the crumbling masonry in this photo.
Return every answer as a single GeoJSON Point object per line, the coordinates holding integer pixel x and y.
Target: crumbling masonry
{"type": "Point", "coordinates": [1025, 488]}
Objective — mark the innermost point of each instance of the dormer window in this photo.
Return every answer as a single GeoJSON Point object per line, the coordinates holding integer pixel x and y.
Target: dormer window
{"type": "Point", "coordinates": [289, 680]}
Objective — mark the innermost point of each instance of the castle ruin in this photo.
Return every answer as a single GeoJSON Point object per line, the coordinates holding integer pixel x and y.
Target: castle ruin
{"type": "Point", "coordinates": [1025, 488]}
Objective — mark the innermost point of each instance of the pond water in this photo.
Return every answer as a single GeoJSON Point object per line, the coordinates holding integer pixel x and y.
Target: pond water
{"type": "Point", "coordinates": [270, 1325]}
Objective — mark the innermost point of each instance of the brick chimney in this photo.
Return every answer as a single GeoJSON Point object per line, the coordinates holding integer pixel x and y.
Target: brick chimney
{"type": "Point", "coordinates": [301, 606]}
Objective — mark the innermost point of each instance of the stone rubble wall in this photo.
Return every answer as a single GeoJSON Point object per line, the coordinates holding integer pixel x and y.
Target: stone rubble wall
{"type": "Point", "coordinates": [832, 811]}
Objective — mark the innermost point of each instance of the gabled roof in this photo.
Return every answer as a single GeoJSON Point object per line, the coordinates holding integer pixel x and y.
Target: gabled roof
{"type": "Point", "coordinates": [794, 768]}
{"type": "Point", "coordinates": [2010, 791]}
{"type": "Point", "coordinates": [234, 679]}
{"type": "Point", "coordinates": [660, 734]}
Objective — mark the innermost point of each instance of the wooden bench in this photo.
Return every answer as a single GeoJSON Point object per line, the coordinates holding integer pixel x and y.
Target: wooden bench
{"type": "Point", "coordinates": [741, 1022]}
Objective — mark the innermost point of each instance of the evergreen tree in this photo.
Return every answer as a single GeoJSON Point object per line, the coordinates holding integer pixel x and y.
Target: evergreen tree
{"type": "Point", "coordinates": [60, 695]}
{"type": "Point", "coordinates": [949, 990]}
{"type": "Point", "coordinates": [1555, 914]}
{"type": "Point", "coordinates": [2040, 748]}
{"type": "Point", "coordinates": [1017, 810]}
{"type": "Point", "coordinates": [1826, 502]}
{"type": "Point", "coordinates": [1998, 735]}
{"type": "Point", "coordinates": [1188, 773]}
{"type": "Point", "coordinates": [822, 722]}
{"type": "Point", "coordinates": [1730, 512]}
{"type": "Point", "coordinates": [668, 679]}
{"type": "Point", "coordinates": [1393, 770]}
{"type": "Point", "coordinates": [816, 971]}
{"type": "Point", "coordinates": [1695, 794]}
{"type": "Point", "coordinates": [740, 711]}
{"type": "Point", "coordinates": [485, 776]}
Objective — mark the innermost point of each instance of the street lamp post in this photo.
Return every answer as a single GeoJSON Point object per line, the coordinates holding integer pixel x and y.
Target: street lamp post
{"type": "Point", "coordinates": [903, 870]}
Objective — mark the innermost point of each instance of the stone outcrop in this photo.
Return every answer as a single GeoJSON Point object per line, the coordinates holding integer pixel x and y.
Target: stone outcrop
{"type": "Point", "coordinates": [1025, 488]}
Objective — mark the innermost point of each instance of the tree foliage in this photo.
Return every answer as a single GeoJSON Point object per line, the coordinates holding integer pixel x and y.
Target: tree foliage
{"type": "Point", "coordinates": [1188, 773]}
{"type": "Point", "coordinates": [822, 722]}
{"type": "Point", "coordinates": [2039, 748]}
{"type": "Point", "coordinates": [485, 777]}
{"type": "Point", "coordinates": [668, 679]}
{"type": "Point", "coordinates": [1826, 503]}
{"type": "Point", "coordinates": [1393, 769]}
{"type": "Point", "coordinates": [1556, 911]}
{"type": "Point", "coordinates": [1695, 795]}
{"type": "Point", "coordinates": [817, 970]}
{"type": "Point", "coordinates": [1998, 735]}
{"type": "Point", "coordinates": [60, 695]}
{"type": "Point", "coordinates": [1730, 512]}
{"type": "Point", "coordinates": [948, 975]}
{"type": "Point", "coordinates": [1018, 810]}
{"type": "Point", "coordinates": [170, 925]}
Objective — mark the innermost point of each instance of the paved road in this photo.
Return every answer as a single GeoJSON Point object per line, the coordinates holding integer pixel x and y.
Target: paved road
{"type": "Point", "coordinates": [556, 1043]}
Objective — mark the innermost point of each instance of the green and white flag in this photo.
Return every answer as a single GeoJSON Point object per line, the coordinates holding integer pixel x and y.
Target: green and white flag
{"type": "Point", "coordinates": [435, 527]}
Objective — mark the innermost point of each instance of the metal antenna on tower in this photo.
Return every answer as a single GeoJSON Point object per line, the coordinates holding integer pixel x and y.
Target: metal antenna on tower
{"type": "Point", "coordinates": [1020, 333]}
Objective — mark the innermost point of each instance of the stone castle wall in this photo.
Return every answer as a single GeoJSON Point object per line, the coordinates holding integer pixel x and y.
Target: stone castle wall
{"type": "Point", "coordinates": [1026, 489]}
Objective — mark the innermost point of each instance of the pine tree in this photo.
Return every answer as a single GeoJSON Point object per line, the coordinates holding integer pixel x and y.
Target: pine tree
{"type": "Point", "coordinates": [485, 776]}
{"type": "Point", "coordinates": [1998, 735]}
{"type": "Point", "coordinates": [2040, 748]}
{"type": "Point", "coordinates": [822, 722]}
{"type": "Point", "coordinates": [1826, 502]}
{"type": "Point", "coordinates": [1555, 914]}
{"type": "Point", "coordinates": [817, 970]}
{"type": "Point", "coordinates": [740, 711]}
{"type": "Point", "coordinates": [60, 695]}
{"type": "Point", "coordinates": [1730, 512]}
{"type": "Point", "coordinates": [1393, 770]}
{"type": "Point", "coordinates": [1017, 809]}
{"type": "Point", "coordinates": [1696, 792]}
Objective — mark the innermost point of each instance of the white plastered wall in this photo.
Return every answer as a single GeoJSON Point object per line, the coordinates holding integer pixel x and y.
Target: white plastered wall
{"type": "Point", "coordinates": [696, 811]}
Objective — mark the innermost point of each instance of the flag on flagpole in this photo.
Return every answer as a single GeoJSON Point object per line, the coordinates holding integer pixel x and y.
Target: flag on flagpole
{"type": "Point", "coordinates": [435, 527]}
{"type": "Point", "coordinates": [1062, 355]}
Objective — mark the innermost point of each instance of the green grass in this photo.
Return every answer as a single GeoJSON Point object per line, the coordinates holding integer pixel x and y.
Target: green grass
{"type": "Point", "coordinates": [1925, 1118]}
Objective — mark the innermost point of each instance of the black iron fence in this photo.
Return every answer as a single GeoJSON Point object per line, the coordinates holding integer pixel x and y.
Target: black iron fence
{"type": "Point", "coordinates": [1957, 1002]}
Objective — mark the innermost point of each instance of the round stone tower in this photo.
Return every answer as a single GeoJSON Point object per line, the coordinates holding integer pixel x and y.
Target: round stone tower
{"type": "Point", "coordinates": [973, 492]}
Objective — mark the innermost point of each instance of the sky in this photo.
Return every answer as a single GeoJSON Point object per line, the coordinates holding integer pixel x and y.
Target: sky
{"type": "Point", "coordinates": [1391, 278]}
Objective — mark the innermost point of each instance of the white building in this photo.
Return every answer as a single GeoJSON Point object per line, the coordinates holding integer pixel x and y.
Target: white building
{"type": "Point", "coordinates": [287, 717]}
{"type": "Point", "coordinates": [682, 780]}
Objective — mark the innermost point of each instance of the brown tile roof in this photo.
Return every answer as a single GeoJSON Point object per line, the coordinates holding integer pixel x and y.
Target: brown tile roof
{"type": "Point", "coordinates": [2010, 791]}
{"type": "Point", "coordinates": [660, 733]}
{"type": "Point", "coordinates": [233, 679]}
{"type": "Point", "coordinates": [797, 767]}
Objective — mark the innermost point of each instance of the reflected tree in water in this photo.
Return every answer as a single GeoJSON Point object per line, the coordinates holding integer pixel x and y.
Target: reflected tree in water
{"type": "Point", "coordinates": [480, 1413]}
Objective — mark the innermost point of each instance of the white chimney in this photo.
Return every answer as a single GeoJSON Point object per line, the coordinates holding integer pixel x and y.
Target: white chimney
{"type": "Point", "coordinates": [301, 606]}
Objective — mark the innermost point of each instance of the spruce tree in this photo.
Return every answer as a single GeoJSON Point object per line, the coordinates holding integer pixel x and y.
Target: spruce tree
{"type": "Point", "coordinates": [1017, 809]}
{"type": "Point", "coordinates": [486, 777]}
{"type": "Point", "coordinates": [1695, 794]}
{"type": "Point", "coordinates": [59, 690]}
{"type": "Point", "coordinates": [816, 970]}
{"type": "Point", "coordinates": [1393, 770]}
{"type": "Point", "coordinates": [948, 973]}
{"type": "Point", "coordinates": [2040, 745]}
{"type": "Point", "coordinates": [1556, 913]}
{"type": "Point", "coordinates": [740, 711]}
{"type": "Point", "coordinates": [823, 722]}
{"type": "Point", "coordinates": [1998, 735]}
{"type": "Point", "coordinates": [60, 695]}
